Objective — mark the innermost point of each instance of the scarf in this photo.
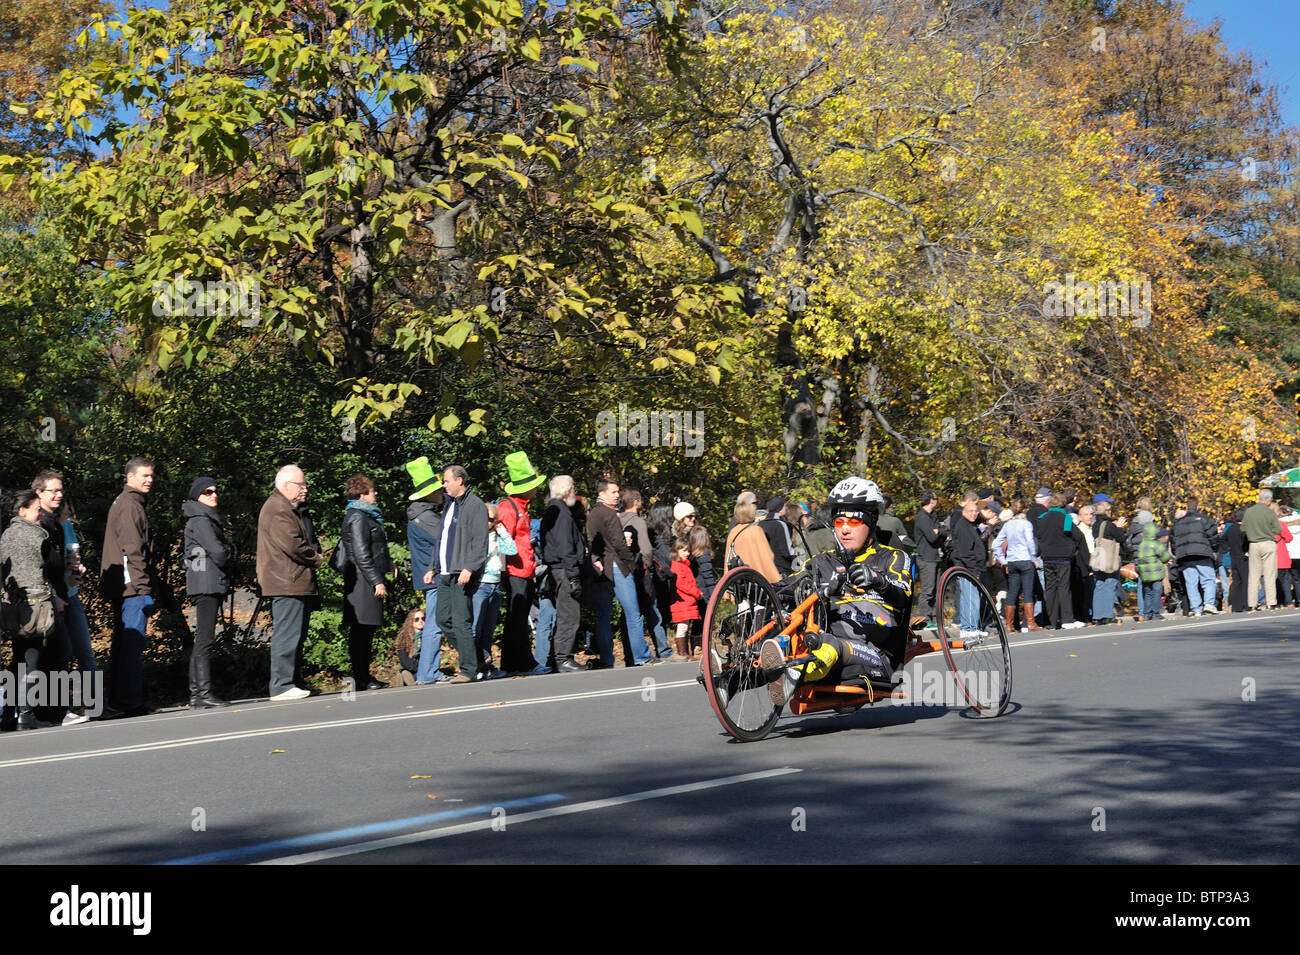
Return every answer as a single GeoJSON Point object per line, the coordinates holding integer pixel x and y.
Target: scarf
{"type": "Point", "coordinates": [371, 509]}
{"type": "Point", "coordinates": [1069, 518]}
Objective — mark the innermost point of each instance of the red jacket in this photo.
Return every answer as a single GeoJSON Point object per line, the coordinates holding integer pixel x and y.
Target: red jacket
{"type": "Point", "coordinates": [517, 526]}
{"type": "Point", "coordinates": [1283, 555]}
{"type": "Point", "coordinates": [687, 605]}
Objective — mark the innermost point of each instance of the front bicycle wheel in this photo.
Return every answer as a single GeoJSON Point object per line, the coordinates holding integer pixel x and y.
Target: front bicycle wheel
{"type": "Point", "coordinates": [975, 643]}
{"type": "Point", "coordinates": [743, 612]}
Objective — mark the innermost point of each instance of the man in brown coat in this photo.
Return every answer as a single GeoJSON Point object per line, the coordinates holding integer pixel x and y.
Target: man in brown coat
{"type": "Point", "coordinates": [126, 579]}
{"type": "Point", "coordinates": [286, 572]}
{"type": "Point", "coordinates": [614, 562]}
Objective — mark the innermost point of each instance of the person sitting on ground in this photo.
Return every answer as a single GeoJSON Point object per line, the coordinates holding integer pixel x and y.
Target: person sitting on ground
{"type": "Point", "coordinates": [407, 646]}
{"type": "Point", "coordinates": [872, 594]}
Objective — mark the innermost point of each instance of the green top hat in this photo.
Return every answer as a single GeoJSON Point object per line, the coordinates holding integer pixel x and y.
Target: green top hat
{"type": "Point", "coordinates": [426, 482]}
{"type": "Point", "coordinates": [523, 476]}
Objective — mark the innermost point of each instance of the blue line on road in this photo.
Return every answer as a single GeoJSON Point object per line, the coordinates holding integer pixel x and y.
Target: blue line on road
{"type": "Point", "coordinates": [374, 828]}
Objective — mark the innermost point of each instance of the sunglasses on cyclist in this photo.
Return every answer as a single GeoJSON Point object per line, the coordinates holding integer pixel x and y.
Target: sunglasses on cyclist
{"type": "Point", "coordinates": [847, 520]}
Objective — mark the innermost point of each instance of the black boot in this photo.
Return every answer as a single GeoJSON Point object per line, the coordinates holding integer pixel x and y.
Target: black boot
{"type": "Point", "coordinates": [201, 695]}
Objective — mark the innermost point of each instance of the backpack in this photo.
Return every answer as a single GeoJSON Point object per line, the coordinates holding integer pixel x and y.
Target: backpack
{"type": "Point", "coordinates": [540, 570]}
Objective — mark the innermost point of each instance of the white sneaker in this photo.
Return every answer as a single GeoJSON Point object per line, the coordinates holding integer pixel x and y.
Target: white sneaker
{"type": "Point", "coordinates": [72, 719]}
{"type": "Point", "coordinates": [1196, 614]}
{"type": "Point", "coordinates": [1073, 625]}
{"type": "Point", "coordinates": [293, 693]}
{"type": "Point", "coordinates": [1212, 610]}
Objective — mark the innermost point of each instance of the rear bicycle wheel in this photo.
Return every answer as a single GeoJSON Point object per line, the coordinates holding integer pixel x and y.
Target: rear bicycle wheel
{"type": "Point", "coordinates": [974, 640]}
{"type": "Point", "coordinates": [743, 611]}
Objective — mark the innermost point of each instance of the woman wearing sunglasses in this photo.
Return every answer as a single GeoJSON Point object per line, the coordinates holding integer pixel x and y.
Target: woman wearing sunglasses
{"type": "Point", "coordinates": [208, 559]}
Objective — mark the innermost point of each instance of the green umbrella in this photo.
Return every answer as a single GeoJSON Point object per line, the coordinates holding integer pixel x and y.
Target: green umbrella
{"type": "Point", "coordinates": [1289, 478]}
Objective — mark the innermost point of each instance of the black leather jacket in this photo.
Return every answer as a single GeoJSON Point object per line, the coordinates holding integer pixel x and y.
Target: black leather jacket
{"type": "Point", "coordinates": [364, 545]}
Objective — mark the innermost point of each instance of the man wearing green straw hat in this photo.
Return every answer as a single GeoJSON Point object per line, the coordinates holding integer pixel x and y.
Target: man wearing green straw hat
{"type": "Point", "coordinates": [423, 528]}
{"type": "Point", "coordinates": [516, 652]}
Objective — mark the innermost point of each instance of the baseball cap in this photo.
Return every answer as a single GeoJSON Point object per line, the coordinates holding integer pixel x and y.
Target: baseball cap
{"type": "Point", "coordinates": [1102, 499]}
{"type": "Point", "coordinates": [1043, 492]}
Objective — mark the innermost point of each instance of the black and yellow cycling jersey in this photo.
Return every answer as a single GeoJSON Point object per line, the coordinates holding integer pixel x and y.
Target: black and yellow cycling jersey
{"type": "Point", "coordinates": [877, 614]}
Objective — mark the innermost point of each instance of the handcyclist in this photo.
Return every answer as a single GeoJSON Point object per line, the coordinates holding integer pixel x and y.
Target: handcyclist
{"type": "Point", "coordinates": [871, 595]}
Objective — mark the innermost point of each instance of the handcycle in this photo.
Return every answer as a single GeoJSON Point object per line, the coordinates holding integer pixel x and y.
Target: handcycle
{"type": "Point", "coordinates": [745, 609]}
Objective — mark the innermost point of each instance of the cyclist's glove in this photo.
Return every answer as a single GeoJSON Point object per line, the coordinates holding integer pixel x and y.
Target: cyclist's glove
{"type": "Point", "coordinates": [864, 577]}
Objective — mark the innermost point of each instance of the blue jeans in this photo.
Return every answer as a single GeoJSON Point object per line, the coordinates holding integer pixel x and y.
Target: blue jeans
{"type": "Point", "coordinates": [625, 591]}
{"type": "Point", "coordinates": [545, 627]}
{"type": "Point", "coordinates": [603, 593]}
{"type": "Point", "coordinates": [1151, 592]}
{"type": "Point", "coordinates": [74, 616]}
{"type": "Point", "coordinates": [1103, 596]}
{"type": "Point", "coordinates": [1198, 578]}
{"type": "Point", "coordinates": [429, 670]}
{"type": "Point", "coordinates": [968, 605]}
{"type": "Point", "coordinates": [487, 607]}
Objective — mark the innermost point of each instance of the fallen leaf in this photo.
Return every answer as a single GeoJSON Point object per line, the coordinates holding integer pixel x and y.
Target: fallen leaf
{"type": "Point", "coordinates": [421, 777]}
{"type": "Point", "coordinates": [430, 796]}
{"type": "Point", "coordinates": [274, 751]}
{"type": "Point", "coordinates": [1074, 654]}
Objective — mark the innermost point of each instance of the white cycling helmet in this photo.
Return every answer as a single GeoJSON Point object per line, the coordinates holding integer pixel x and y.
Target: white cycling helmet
{"type": "Point", "coordinates": [857, 495]}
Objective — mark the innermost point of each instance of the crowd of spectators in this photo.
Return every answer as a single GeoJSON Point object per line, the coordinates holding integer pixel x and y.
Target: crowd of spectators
{"type": "Point", "coordinates": [1058, 564]}
{"type": "Point", "coordinates": [556, 569]}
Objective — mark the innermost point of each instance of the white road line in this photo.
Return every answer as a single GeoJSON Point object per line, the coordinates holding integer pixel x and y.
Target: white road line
{"type": "Point", "coordinates": [332, 724]}
{"type": "Point", "coordinates": [515, 819]}
{"type": "Point", "coordinates": [1141, 630]}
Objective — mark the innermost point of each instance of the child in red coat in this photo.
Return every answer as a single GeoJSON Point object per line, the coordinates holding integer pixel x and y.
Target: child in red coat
{"type": "Point", "coordinates": [686, 608]}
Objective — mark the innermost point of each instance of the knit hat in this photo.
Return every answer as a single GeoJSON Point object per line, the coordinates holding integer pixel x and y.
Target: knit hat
{"type": "Point", "coordinates": [200, 485]}
{"type": "Point", "coordinates": [523, 476]}
{"type": "Point", "coordinates": [775, 504]}
{"type": "Point", "coordinates": [682, 510]}
{"type": "Point", "coordinates": [426, 482]}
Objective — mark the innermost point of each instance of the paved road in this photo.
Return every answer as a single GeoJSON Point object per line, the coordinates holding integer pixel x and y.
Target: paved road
{"type": "Point", "coordinates": [1146, 723]}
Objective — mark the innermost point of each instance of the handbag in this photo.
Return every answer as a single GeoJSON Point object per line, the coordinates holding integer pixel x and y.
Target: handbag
{"type": "Point", "coordinates": [734, 559]}
{"type": "Point", "coordinates": [339, 559]}
{"type": "Point", "coordinates": [25, 618]}
{"type": "Point", "coordinates": [1105, 554]}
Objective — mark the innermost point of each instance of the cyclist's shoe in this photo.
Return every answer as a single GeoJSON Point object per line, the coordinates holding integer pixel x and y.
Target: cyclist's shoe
{"type": "Point", "coordinates": [771, 657]}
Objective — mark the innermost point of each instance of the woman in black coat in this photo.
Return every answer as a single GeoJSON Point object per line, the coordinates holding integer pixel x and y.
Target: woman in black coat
{"type": "Point", "coordinates": [1235, 543]}
{"type": "Point", "coordinates": [208, 559]}
{"type": "Point", "coordinates": [366, 565]}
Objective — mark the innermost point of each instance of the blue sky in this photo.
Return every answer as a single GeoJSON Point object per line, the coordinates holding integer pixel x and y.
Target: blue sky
{"type": "Point", "coordinates": [1266, 28]}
